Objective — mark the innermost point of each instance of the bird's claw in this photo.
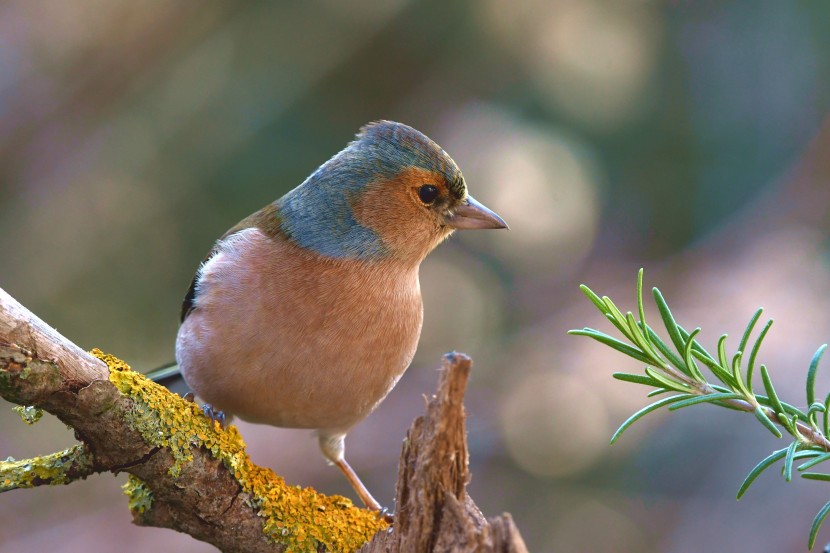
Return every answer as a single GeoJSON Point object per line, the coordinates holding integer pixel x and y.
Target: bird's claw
{"type": "Point", "coordinates": [386, 514]}
{"type": "Point", "coordinates": [213, 414]}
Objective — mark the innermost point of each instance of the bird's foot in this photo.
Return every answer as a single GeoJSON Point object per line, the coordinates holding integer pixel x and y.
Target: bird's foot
{"type": "Point", "coordinates": [362, 491]}
{"type": "Point", "coordinates": [214, 414]}
{"type": "Point", "coordinates": [387, 515]}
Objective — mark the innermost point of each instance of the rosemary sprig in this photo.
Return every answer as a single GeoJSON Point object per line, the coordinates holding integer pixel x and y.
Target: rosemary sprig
{"type": "Point", "coordinates": [675, 368]}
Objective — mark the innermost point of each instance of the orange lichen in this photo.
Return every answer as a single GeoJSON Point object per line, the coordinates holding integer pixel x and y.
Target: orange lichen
{"type": "Point", "coordinates": [300, 518]}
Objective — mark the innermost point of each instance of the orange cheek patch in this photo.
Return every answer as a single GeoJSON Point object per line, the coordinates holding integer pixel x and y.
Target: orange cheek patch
{"type": "Point", "coordinates": [393, 211]}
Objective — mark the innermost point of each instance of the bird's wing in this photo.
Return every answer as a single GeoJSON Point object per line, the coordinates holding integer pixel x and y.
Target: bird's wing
{"type": "Point", "coordinates": [189, 303]}
{"type": "Point", "coordinates": [266, 219]}
{"type": "Point", "coordinates": [190, 297]}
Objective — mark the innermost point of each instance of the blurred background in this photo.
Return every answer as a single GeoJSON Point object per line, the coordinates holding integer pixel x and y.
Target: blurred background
{"type": "Point", "coordinates": [689, 137]}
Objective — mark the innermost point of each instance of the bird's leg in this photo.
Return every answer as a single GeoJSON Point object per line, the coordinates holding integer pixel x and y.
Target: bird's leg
{"type": "Point", "coordinates": [333, 448]}
{"type": "Point", "coordinates": [358, 486]}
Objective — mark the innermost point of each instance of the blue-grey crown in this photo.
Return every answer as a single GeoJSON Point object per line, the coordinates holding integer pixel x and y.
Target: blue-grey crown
{"type": "Point", "coordinates": [396, 146]}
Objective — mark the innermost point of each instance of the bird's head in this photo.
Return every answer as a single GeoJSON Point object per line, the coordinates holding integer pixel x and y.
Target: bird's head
{"type": "Point", "coordinates": [392, 192]}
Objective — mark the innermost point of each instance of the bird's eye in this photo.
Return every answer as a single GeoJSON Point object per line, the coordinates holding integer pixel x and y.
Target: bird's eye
{"type": "Point", "coordinates": [428, 193]}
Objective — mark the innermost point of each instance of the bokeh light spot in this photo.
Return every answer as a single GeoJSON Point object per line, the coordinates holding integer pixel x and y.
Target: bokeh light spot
{"type": "Point", "coordinates": [462, 305]}
{"type": "Point", "coordinates": [540, 179]}
{"type": "Point", "coordinates": [554, 425]}
{"type": "Point", "coordinates": [591, 59]}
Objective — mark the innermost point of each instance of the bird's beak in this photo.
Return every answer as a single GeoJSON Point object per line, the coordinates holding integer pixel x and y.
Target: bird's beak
{"type": "Point", "coordinates": [473, 215]}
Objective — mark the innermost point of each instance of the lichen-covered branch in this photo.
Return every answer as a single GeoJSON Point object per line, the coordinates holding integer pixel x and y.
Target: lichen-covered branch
{"type": "Point", "coordinates": [189, 474]}
{"type": "Point", "coordinates": [63, 467]}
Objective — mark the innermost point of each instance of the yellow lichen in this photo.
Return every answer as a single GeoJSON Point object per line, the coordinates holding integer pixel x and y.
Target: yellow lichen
{"type": "Point", "coordinates": [299, 518]}
{"type": "Point", "coordinates": [141, 497]}
{"type": "Point", "coordinates": [50, 469]}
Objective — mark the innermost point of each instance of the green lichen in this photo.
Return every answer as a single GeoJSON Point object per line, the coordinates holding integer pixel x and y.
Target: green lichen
{"type": "Point", "coordinates": [28, 413]}
{"type": "Point", "coordinates": [141, 497]}
{"type": "Point", "coordinates": [299, 518]}
{"type": "Point", "coordinates": [53, 469]}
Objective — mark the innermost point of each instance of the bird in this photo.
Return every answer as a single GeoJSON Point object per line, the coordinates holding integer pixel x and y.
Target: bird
{"type": "Point", "coordinates": [307, 312]}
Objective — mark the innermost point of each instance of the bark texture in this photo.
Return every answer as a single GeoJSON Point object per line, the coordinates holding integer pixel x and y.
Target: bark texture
{"type": "Point", "coordinates": [434, 512]}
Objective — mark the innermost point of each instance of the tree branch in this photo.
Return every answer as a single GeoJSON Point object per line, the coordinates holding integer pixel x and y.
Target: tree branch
{"type": "Point", "coordinates": [193, 476]}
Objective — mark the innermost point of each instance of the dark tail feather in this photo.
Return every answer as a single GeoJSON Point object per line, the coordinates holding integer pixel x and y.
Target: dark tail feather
{"type": "Point", "coordinates": [169, 376]}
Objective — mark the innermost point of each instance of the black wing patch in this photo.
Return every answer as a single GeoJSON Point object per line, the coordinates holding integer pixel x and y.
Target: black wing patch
{"type": "Point", "coordinates": [189, 302]}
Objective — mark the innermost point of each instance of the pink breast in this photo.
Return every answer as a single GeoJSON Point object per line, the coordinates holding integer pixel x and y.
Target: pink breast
{"type": "Point", "coordinates": [283, 337]}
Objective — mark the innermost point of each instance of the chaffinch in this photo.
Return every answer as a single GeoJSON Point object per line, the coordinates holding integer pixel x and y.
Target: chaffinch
{"type": "Point", "coordinates": [306, 313]}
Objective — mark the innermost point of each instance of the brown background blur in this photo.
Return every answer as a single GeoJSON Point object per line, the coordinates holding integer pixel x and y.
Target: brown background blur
{"type": "Point", "coordinates": [685, 137]}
